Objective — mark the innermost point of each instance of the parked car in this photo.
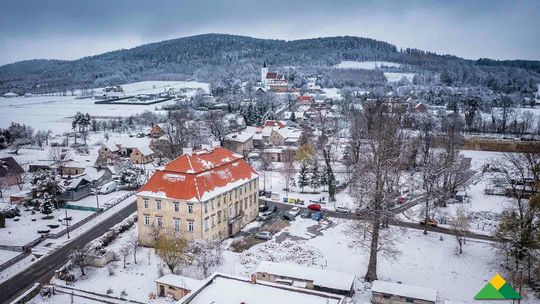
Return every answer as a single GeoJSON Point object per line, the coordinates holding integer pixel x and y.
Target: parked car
{"type": "Point", "coordinates": [305, 214]}
{"type": "Point", "coordinates": [262, 193]}
{"type": "Point", "coordinates": [429, 222]}
{"type": "Point", "coordinates": [314, 207]}
{"type": "Point", "coordinates": [342, 209]}
{"type": "Point", "coordinates": [317, 216]}
{"type": "Point", "coordinates": [263, 235]}
{"type": "Point", "coordinates": [402, 199]}
{"type": "Point", "coordinates": [263, 207]}
{"type": "Point", "coordinates": [263, 216]}
{"type": "Point", "coordinates": [108, 187]}
{"type": "Point", "coordinates": [287, 216]}
{"type": "Point", "coordinates": [273, 209]}
{"type": "Point", "coordinates": [294, 211]}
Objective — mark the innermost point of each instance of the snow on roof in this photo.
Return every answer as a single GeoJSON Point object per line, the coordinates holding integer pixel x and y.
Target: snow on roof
{"type": "Point", "coordinates": [289, 132]}
{"type": "Point", "coordinates": [111, 146]}
{"type": "Point", "coordinates": [82, 160]}
{"type": "Point", "coordinates": [223, 289]}
{"type": "Point", "coordinates": [244, 135]}
{"type": "Point", "coordinates": [180, 281]}
{"type": "Point", "coordinates": [145, 150]}
{"type": "Point", "coordinates": [200, 176]}
{"type": "Point", "coordinates": [93, 173]}
{"type": "Point", "coordinates": [320, 277]}
{"type": "Point", "coordinates": [404, 290]}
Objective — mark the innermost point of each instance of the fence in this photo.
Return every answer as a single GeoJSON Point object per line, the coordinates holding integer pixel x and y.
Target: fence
{"type": "Point", "coordinates": [86, 220]}
{"type": "Point", "coordinates": [13, 260]}
{"type": "Point", "coordinates": [27, 295]}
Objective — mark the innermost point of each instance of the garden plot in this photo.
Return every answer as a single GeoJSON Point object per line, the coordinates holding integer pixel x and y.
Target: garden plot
{"type": "Point", "coordinates": [104, 199]}
{"type": "Point", "coordinates": [25, 230]}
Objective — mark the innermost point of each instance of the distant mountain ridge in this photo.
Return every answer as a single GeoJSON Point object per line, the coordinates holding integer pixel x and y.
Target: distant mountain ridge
{"type": "Point", "coordinates": [217, 58]}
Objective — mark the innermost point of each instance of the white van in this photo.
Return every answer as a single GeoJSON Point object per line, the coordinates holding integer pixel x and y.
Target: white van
{"type": "Point", "coordinates": [108, 187]}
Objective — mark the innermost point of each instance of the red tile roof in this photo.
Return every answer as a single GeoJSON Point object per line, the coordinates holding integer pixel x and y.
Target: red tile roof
{"type": "Point", "coordinates": [271, 75]}
{"type": "Point", "coordinates": [200, 176]}
{"type": "Point", "coordinates": [274, 123]}
{"type": "Point", "coordinates": [304, 98]}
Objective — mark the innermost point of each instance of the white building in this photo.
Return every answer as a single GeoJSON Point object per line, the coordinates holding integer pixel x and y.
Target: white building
{"type": "Point", "coordinates": [225, 289]}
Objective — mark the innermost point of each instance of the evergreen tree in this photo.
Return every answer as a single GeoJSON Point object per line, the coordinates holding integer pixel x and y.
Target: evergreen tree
{"type": "Point", "coordinates": [315, 177]}
{"type": "Point", "coordinates": [303, 179]}
{"type": "Point", "coordinates": [46, 206]}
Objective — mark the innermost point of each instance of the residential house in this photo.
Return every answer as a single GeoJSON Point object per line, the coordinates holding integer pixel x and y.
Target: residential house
{"type": "Point", "coordinates": [142, 155]}
{"type": "Point", "coordinates": [394, 293]}
{"type": "Point", "coordinates": [306, 277]}
{"type": "Point", "coordinates": [241, 142]}
{"type": "Point", "coordinates": [75, 188]}
{"type": "Point", "coordinates": [10, 171]}
{"type": "Point", "coordinates": [157, 130]}
{"type": "Point", "coordinates": [76, 164]}
{"type": "Point", "coordinates": [205, 194]}
{"type": "Point", "coordinates": [304, 100]}
{"type": "Point", "coordinates": [138, 150]}
{"type": "Point", "coordinates": [226, 289]}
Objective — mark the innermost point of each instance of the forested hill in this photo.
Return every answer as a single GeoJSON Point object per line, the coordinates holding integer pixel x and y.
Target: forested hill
{"type": "Point", "coordinates": [217, 58]}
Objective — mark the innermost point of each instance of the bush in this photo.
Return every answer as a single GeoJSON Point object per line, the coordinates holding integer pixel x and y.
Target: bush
{"type": "Point", "coordinates": [123, 294]}
{"type": "Point", "coordinates": [53, 226]}
{"type": "Point", "coordinates": [110, 291]}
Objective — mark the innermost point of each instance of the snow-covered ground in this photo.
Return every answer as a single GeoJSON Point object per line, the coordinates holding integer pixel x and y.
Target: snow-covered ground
{"type": "Point", "coordinates": [424, 260]}
{"type": "Point", "coordinates": [6, 255]}
{"type": "Point", "coordinates": [395, 76]}
{"type": "Point", "coordinates": [366, 65]}
{"type": "Point", "coordinates": [23, 231]}
{"type": "Point", "coordinates": [55, 112]}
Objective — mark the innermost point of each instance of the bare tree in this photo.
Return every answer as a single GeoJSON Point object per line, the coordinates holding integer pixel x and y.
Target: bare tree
{"type": "Point", "coordinates": [432, 183]}
{"type": "Point", "coordinates": [133, 243]}
{"type": "Point", "coordinates": [78, 259]}
{"type": "Point", "coordinates": [460, 223]}
{"type": "Point", "coordinates": [380, 159]}
{"type": "Point", "coordinates": [181, 130]}
{"type": "Point", "coordinates": [288, 170]}
{"type": "Point", "coordinates": [215, 121]}
{"type": "Point", "coordinates": [206, 254]}
{"type": "Point", "coordinates": [125, 251]}
{"type": "Point", "coordinates": [517, 232]}
{"type": "Point", "coordinates": [173, 251]}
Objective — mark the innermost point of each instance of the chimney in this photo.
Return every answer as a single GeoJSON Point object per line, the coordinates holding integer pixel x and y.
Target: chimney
{"type": "Point", "coordinates": [216, 144]}
{"type": "Point", "coordinates": [187, 151]}
{"type": "Point", "coordinates": [253, 279]}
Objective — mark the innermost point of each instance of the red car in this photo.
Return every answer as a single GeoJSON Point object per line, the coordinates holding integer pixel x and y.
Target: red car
{"type": "Point", "coordinates": [314, 207]}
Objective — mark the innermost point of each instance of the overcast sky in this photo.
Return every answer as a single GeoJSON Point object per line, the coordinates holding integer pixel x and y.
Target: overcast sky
{"type": "Point", "coordinates": [70, 29]}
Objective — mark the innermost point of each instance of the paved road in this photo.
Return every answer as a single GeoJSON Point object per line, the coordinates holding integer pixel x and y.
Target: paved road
{"type": "Point", "coordinates": [395, 222]}
{"type": "Point", "coordinates": [43, 269]}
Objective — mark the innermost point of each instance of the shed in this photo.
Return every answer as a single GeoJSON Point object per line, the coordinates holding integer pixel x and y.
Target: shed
{"type": "Point", "coordinates": [307, 277]}
{"type": "Point", "coordinates": [176, 286]}
{"type": "Point", "coordinates": [394, 293]}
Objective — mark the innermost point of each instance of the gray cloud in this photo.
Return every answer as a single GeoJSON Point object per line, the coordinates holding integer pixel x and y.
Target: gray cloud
{"type": "Point", "coordinates": [66, 29]}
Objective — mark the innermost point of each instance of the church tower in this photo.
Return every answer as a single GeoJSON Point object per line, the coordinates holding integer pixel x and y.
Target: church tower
{"type": "Point", "coordinates": [264, 71]}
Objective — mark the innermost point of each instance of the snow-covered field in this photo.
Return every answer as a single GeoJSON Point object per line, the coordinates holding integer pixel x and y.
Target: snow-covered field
{"type": "Point", "coordinates": [424, 260]}
{"type": "Point", "coordinates": [395, 76]}
{"type": "Point", "coordinates": [55, 112]}
{"type": "Point", "coordinates": [366, 65]}
{"type": "Point", "coordinates": [6, 255]}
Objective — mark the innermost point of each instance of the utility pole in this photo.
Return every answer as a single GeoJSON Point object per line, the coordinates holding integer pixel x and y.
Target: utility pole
{"type": "Point", "coordinates": [65, 221]}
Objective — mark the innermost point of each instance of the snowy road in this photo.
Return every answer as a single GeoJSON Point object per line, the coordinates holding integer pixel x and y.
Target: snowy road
{"type": "Point", "coordinates": [43, 269]}
{"type": "Point", "coordinates": [395, 222]}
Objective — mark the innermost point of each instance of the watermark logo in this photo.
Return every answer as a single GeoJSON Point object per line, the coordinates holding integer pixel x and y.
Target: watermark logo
{"type": "Point", "coordinates": [497, 289]}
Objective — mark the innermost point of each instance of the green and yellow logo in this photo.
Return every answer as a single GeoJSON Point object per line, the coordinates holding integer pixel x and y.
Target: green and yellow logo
{"type": "Point", "coordinates": [497, 289]}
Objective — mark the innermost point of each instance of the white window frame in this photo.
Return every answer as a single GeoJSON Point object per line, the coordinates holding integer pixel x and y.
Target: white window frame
{"type": "Point", "coordinates": [191, 226]}
{"type": "Point", "coordinates": [147, 220]}
{"type": "Point", "coordinates": [176, 207]}
{"type": "Point", "coordinates": [158, 204]}
{"type": "Point", "coordinates": [159, 221]}
{"type": "Point", "coordinates": [177, 225]}
{"type": "Point", "coordinates": [145, 203]}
